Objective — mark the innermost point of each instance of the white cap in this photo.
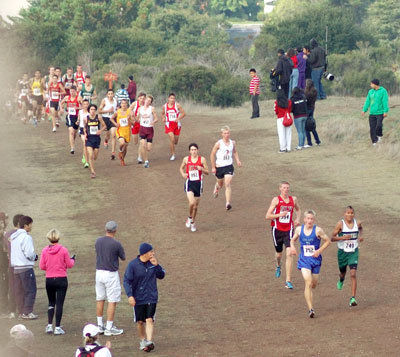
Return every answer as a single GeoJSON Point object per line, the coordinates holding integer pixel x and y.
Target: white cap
{"type": "Point", "coordinates": [90, 330]}
{"type": "Point", "coordinates": [17, 328]}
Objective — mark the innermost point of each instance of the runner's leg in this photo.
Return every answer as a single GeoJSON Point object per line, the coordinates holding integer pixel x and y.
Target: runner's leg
{"type": "Point", "coordinates": [228, 189]}
{"type": "Point", "coordinates": [353, 276]}
{"type": "Point", "coordinates": [289, 264]}
{"type": "Point", "coordinates": [308, 280]}
{"type": "Point", "coordinates": [171, 143]}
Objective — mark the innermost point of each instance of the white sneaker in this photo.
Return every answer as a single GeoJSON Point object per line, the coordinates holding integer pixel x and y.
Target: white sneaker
{"type": "Point", "coordinates": [299, 147]}
{"type": "Point", "coordinates": [188, 222]}
{"type": "Point", "coordinates": [49, 329]}
{"type": "Point", "coordinates": [30, 316]}
{"type": "Point", "coordinates": [142, 344]}
{"type": "Point", "coordinates": [373, 144]}
{"type": "Point", "coordinates": [114, 331]}
{"type": "Point", "coordinates": [172, 158]}
{"type": "Point", "coordinates": [59, 331]}
{"type": "Point", "coordinates": [379, 139]}
{"type": "Point", "coordinates": [193, 227]}
{"type": "Point", "coordinates": [306, 146]}
{"type": "Point", "coordinates": [149, 346]}
{"type": "Point", "coordinates": [101, 329]}
{"type": "Point", "coordinates": [54, 129]}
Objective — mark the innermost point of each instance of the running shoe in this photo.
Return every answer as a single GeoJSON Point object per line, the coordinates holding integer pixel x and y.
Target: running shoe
{"type": "Point", "coordinates": [101, 329]}
{"type": "Point", "coordinates": [54, 129]}
{"type": "Point", "coordinates": [106, 144]}
{"type": "Point", "coordinates": [142, 344]}
{"type": "Point", "coordinates": [311, 313]}
{"type": "Point", "coordinates": [146, 164]}
{"type": "Point", "coordinates": [11, 315]}
{"type": "Point", "coordinates": [299, 147]}
{"type": "Point", "coordinates": [49, 329]}
{"type": "Point", "coordinates": [353, 301]}
{"type": "Point", "coordinates": [149, 346]}
{"type": "Point", "coordinates": [35, 122]}
{"type": "Point", "coordinates": [216, 189]}
{"type": "Point", "coordinates": [379, 139]}
{"type": "Point", "coordinates": [193, 227]}
{"type": "Point", "coordinates": [30, 316]}
{"type": "Point", "coordinates": [57, 124]}
{"type": "Point", "coordinates": [228, 206]}
{"type": "Point", "coordinates": [281, 151]}
{"type": "Point", "coordinates": [278, 272]}
{"type": "Point", "coordinates": [113, 156]}
{"type": "Point", "coordinates": [288, 285]}
{"type": "Point", "coordinates": [339, 285]}
{"type": "Point", "coordinates": [72, 151]}
{"type": "Point", "coordinates": [93, 175]}
{"type": "Point", "coordinates": [188, 222]}
{"type": "Point", "coordinates": [86, 165]}
{"type": "Point", "coordinates": [113, 331]}
{"type": "Point", "coordinates": [306, 146]}
{"type": "Point", "coordinates": [139, 160]}
{"type": "Point", "coordinates": [59, 331]}
{"type": "Point", "coordinates": [172, 158]}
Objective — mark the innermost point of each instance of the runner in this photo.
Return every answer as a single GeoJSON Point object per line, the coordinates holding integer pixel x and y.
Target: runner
{"type": "Point", "coordinates": [79, 77]}
{"type": "Point", "coordinates": [72, 116]}
{"type": "Point", "coordinates": [46, 82]}
{"type": "Point", "coordinates": [147, 117]}
{"type": "Point", "coordinates": [172, 114]}
{"type": "Point", "coordinates": [136, 127]}
{"type": "Point", "coordinates": [348, 234]}
{"type": "Point", "coordinates": [120, 94]}
{"type": "Point", "coordinates": [23, 88]}
{"type": "Point", "coordinates": [68, 80]}
{"type": "Point", "coordinates": [222, 164]}
{"type": "Point", "coordinates": [58, 73]}
{"type": "Point", "coordinates": [83, 113]}
{"type": "Point", "coordinates": [123, 121]}
{"type": "Point", "coordinates": [192, 169]}
{"type": "Point", "coordinates": [310, 258]}
{"type": "Point", "coordinates": [108, 106]}
{"type": "Point", "coordinates": [56, 89]}
{"type": "Point", "coordinates": [37, 91]}
{"type": "Point", "coordinates": [88, 91]}
{"type": "Point", "coordinates": [92, 134]}
{"type": "Point", "coordinates": [280, 212]}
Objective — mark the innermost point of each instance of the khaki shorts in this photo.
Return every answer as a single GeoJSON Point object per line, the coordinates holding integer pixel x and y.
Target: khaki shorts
{"type": "Point", "coordinates": [108, 286]}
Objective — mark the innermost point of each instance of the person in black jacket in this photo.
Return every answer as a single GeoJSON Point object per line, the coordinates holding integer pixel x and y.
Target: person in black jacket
{"type": "Point", "coordinates": [299, 110]}
{"type": "Point", "coordinates": [306, 51]}
{"type": "Point", "coordinates": [317, 60]}
{"type": "Point", "coordinates": [140, 283]}
{"type": "Point", "coordinates": [311, 96]}
{"type": "Point", "coordinates": [283, 69]}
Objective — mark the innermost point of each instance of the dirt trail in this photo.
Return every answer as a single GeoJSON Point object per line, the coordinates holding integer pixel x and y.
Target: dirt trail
{"type": "Point", "coordinates": [220, 297]}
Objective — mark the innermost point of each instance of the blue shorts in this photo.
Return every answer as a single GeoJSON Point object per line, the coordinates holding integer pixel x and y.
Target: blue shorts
{"type": "Point", "coordinates": [93, 141]}
{"type": "Point", "coordinates": [311, 264]}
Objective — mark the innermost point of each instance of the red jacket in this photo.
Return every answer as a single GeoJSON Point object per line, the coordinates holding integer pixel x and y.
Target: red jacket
{"type": "Point", "coordinates": [132, 90]}
{"type": "Point", "coordinates": [280, 112]}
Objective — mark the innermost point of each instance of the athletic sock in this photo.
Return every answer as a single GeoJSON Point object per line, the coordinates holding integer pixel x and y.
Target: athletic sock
{"type": "Point", "coordinates": [100, 321]}
{"type": "Point", "coordinates": [109, 325]}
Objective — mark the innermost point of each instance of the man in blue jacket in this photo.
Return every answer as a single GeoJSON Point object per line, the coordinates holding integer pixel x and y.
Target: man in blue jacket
{"type": "Point", "coordinates": [140, 284]}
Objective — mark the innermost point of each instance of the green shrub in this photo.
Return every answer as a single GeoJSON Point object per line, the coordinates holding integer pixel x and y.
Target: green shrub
{"type": "Point", "coordinates": [228, 92]}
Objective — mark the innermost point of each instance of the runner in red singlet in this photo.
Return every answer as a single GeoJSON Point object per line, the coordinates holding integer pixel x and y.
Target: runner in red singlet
{"type": "Point", "coordinates": [134, 107]}
{"type": "Point", "coordinates": [280, 212]}
{"type": "Point", "coordinates": [56, 89]}
{"type": "Point", "coordinates": [73, 107]}
{"type": "Point", "coordinates": [79, 77]}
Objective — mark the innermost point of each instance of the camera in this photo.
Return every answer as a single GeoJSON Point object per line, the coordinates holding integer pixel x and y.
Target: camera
{"type": "Point", "coordinates": [329, 76]}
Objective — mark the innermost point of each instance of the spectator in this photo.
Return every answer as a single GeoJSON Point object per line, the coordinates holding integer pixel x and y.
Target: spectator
{"type": "Point", "coordinates": [317, 60]}
{"type": "Point", "coordinates": [121, 94]}
{"type": "Point", "coordinates": [132, 89]}
{"type": "Point", "coordinates": [377, 102]}
{"type": "Point", "coordinates": [299, 109]}
{"type": "Point", "coordinates": [294, 77]}
{"type": "Point", "coordinates": [282, 107]}
{"type": "Point", "coordinates": [283, 69]}
{"type": "Point", "coordinates": [91, 345]}
{"type": "Point", "coordinates": [311, 97]}
{"type": "Point", "coordinates": [3, 265]}
{"type": "Point", "coordinates": [23, 258]}
{"type": "Point", "coordinates": [55, 261]}
{"type": "Point", "coordinates": [254, 90]}
{"type": "Point", "coordinates": [108, 286]}
{"type": "Point", "coordinates": [12, 307]}
{"type": "Point", "coordinates": [306, 51]}
{"type": "Point", "coordinates": [301, 65]}
{"type": "Point", "coordinates": [21, 343]}
{"type": "Point", "coordinates": [140, 283]}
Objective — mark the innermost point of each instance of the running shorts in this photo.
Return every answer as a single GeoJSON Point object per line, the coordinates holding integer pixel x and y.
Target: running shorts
{"type": "Point", "coordinates": [194, 186]}
{"type": "Point", "coordinates": [71, 121]}
{"type": "Point", "coordinates": [108, 286]}
{"type": "Point", "coordinates": [143, 312]}
{"type": "Point", "coordinates": [347, 259]}
{"type": "Point", "coordinates": [136, 128]}
{"type": "Point", "coordinates": [108, 123]}
{"type": "Point", "coordinates": [81, 132]}
{"type": "Point", "coordinates": [224, 170]}
{"type": "Point", "coordinates": [173, 127]}
{"type": "Point", "coordinates": [55, 105]}
{"type": "Point", "coordinates": [146, 133]}
{"type": "Point", "coordinates": [38, 99]}
{"type": "Point", "coordinates": [125, 133]}
{"type": "Point", "coordinates": [281, 238]}
{"type": "Point", "coordinates": [93, 141]}
{"type": "Point", "coordinates": [311, 264]}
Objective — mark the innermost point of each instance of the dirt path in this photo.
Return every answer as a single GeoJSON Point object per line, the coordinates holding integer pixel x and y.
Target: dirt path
{"type": "Point", "coordinates": [220, 297]}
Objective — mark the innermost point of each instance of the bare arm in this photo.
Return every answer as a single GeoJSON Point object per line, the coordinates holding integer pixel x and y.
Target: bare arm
{"type": "Point", "coordinates": [205, 166]}
{"type": "Point", "coordinates": [321, 235]}
{"type": "Point", "coordinates": [62, 89]}
{"type": "Point", "coordinates": [293, 240]}
{"type": "Point", "coordinates": [236, 155]}
{"type": "Point", "coordinates": [271, 208]}
{"type": "Point", "coordinates": [182, 168]}
{"type": "Point", "coordinates": [163, 114]}
{"type": "Point", "coordinates": [297, 210]}
{"type": "Point", "coordinates": [212, 157]}
{"type": "Point", "coordinates": [182, 113]}
{"type": "Point", "coordinates": [113, 120]}
{"type": "Point", "coordinates": [335, 234]}
{"type": "Point", "coordinates": [103, 125]}
{"type": "Point", "coordinates": [360, 229]}
{"type": "Point", "coordinates": [102, 104]}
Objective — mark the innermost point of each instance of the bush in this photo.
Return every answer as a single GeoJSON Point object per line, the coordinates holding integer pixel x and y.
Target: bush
{"type": "Point", "coordinates": [228, 92]}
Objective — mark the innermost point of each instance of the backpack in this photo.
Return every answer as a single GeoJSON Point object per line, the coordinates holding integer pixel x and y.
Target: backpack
{"type": "Point", "coordinates": [287, 119]}
{"type": "Point", "coordinates": [84, 353]}
{"type": "Point", "coordinates": [310, 124]}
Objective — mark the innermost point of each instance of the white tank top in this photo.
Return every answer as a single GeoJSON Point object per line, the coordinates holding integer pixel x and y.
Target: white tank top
{"type": "Point", "coordinates": [109, 107]}
{"type": "Point", "coordinates": [146, 117]}
{"type": "Point", "coordinates": [352, 244]}
{"type": "Point", "coordinates": [224, 153]}
{"type": "Point", "coordinates": [82, 116]}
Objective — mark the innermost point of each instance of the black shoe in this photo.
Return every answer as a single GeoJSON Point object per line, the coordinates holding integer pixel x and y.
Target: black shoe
{"type": "Point", "coordinates": [228, 207]}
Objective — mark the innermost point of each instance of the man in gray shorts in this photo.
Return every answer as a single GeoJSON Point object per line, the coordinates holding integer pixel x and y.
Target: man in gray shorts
{"type": "Point", "coordinates": [108, 286]}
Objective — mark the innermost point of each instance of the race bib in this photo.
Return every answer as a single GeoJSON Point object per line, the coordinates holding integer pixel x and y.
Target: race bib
{"type": "Point", "coordinates": [285, 219]}
{"type": "Point", "coordinates": [37, 91]}
{"type": "Point", "coordinates": [145, 122]}
{"type": "Point", "coordinates": [93, 129]}
{"type": "Point", "coordinates": [308, 250]}
{"type": "Point", "coordinates": [71, 111]}
{"type": "Point", "coordinates": [123, 122]}
{"type": "Point", "coordinates": [172, 116]}
{"type": "Point", "coordinates": [55, 95]}
{"type": "Point", "coordinates": [68, 85]}
{"type": "Point", "coordinates": [350, 245]}
{"type": "Point", "coordinates": [194, 175]}
{"type": "Point", "coordinates": [87, 97]}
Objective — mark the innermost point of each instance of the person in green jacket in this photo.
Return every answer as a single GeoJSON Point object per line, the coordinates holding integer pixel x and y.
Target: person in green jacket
{"type": "Point", "coordinates": [377, 102]}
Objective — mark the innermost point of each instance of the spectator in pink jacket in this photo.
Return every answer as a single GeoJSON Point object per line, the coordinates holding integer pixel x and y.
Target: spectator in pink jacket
{"type": "Point", "coordinates": [55, 260]}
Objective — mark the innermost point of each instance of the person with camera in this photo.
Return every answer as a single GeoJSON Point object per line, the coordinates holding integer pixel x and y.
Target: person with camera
{"type": "Point", "coordinates": [317, 61]}
{"type": "Point", "coordinates": [311, 96]}
{"type": "Point", "coordinates": [283, 71]}
{"type": "Point", "coordinates": [55, 261]}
